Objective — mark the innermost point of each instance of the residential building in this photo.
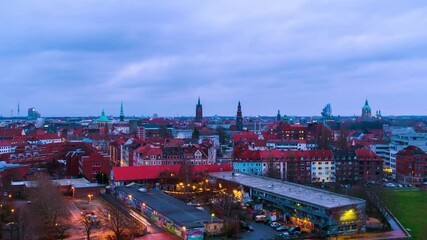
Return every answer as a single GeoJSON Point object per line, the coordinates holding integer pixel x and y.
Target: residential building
{"type": "Point", "coordinates": [411, 165]}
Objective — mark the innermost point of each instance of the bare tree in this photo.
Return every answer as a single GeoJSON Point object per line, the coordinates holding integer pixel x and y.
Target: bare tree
{"type": "Point", "coordinates": [230, 212]}
{"type": "Point", "coordinates": [88, 224]}
{"type": "Point", "coordinates": [22, 222]}
{"type": "Point", "coordinates": [61, 229]}
{"type": "Point", "coordinates": [342, 142]}
{"type": "Point", "coordinates": [47, 200]}
{"type": "Point", "coordinates": [117, 222]}
{"type": "Point", "coordinates": [272, 170]}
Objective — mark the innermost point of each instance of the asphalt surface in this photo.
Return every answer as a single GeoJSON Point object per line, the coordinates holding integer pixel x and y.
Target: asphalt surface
{"type": "Point", "coordinates": [261, 232]}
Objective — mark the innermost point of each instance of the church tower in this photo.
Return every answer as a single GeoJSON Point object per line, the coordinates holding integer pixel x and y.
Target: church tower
{"type": "Point", "coordinates": [122, 115]}
{"type": "Point", "coordinates": [366, 110]}
{"type": "Point", "coordinates": [279, 117]}
{"type": "Point", "coordinates": [199, 112]}
{"type": "Point", "coordinates": [239, 118]}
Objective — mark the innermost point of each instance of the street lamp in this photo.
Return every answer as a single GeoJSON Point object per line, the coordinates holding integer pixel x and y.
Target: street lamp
{"type": "Point", "coordinates": [130, 197]}
{"type": "Point", "coordinates": [90, 198]}
{"type": "Point", "coordinates": [212, 216]}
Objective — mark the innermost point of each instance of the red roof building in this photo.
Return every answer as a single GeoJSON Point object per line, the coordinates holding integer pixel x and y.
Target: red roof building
{"type": "Point", "coordinates": [124, 175]}
{"type": "Point", "coordinates": [411, 165]}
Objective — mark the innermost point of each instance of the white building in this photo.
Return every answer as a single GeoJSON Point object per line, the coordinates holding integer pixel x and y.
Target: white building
{"type": "Point", "coordinates": [6, 147]}
{"type": "Point", "coordinates": [323, 171]}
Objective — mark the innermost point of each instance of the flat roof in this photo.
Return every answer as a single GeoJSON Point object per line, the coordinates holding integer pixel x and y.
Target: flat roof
{"type": "Point", "coordinates": [77, 182]}
{"type": "Point", "coordinates": [177, 210]}
{"type": "Point", "coordinates": [294, 191]}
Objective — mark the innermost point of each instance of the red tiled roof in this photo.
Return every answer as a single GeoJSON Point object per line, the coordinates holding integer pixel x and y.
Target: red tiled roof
{"type": "Point", "coordinates": [46, 136]}
{"type": "Point", "coordinates": [11, 132]}
{"type": "Point", "coordinates": [410, 151]}
{"type": "Point", "coordinates": [366, 154]}
{"type": "Point", "coordinates": [153, 172]}
{"type": "Point", "coordinates": [244, 135]}
{"type": "Point", "coordinates": [142, 172]}
{"type": "Point", "coordinates": [5, 143]}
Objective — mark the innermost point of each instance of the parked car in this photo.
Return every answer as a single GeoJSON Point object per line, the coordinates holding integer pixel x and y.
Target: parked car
{"type": "Point", "coordinates": [294, 229]}
{"type": "Point", "coordinates": [246, 226]}
{"type": "Point", "coordinates": [267, 221]}
{"type": "Point", "coordinates": [283, 235]}
{"type": "Point", "coordinates": [250, 228]}
{"type": "Point", "coordinates": [275, 225]}
{"type": "Point", "coordinates": [260, 218]}
{"type": "Point", "coordinates": [281, 228]}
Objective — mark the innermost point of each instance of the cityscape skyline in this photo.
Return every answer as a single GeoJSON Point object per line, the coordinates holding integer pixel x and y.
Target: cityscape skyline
{"type": "Point", "coordinates": [77, 58]}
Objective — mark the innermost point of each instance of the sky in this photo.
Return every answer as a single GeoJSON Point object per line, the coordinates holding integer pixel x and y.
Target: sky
{"type": "Point", "coordinates": [75, 57]}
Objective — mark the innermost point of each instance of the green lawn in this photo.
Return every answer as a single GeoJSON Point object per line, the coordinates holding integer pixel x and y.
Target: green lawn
{"type": "Point", "coordinates": [410, 207]}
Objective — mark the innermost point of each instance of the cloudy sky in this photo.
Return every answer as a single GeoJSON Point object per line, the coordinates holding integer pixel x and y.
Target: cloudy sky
{"type": "Point", "coordinates": [75, 58]}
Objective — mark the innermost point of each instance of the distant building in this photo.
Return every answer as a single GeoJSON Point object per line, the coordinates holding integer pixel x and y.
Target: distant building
{"type": "Point", "coordinates": [199, 112]}
{"type": "Point", "coordinates": [366, 110]}
{"type": "Point", "coordinates": [279, 117]}
{"type": "Point", "coordinates": [400, 139]}
{"type": "Point", "coordinates": [84, 159]}
{"type": "Point", "coordinates": [122, 115]}
{"type": "Point", "coordinates": [411, 165]}
{"type": "Point", "coordinates": [33, 114]}
{"type": "Point", "coordinates": [239, 118]}
{"type": "Point", "coordinates": [103, 123]}
{"type": "Point", "coordinates": [327, 111]}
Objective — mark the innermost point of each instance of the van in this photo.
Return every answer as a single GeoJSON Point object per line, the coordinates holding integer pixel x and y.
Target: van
{"type": "Point", "coordinates": [260, 218]}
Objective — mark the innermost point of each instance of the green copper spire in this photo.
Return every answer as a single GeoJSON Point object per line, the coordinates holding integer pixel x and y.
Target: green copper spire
{"type": "Point", "coordinates": [103, 118]}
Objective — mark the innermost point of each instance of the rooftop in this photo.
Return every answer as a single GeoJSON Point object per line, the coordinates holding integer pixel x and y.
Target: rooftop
{"type": "Point", "coordinates": [294, 191]}
{"type": "Point", "coordinates": [178, 211]}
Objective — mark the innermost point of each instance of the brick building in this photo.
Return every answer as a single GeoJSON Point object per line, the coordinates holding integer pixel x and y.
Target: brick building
{"type": "Point", "coordinates": [411, 165]}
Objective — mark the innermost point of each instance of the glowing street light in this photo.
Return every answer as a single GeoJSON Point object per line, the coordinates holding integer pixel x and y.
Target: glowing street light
{"type": "Point", "coordinates": [90, 198]}
{"type": "Point", "coordinates": [212, 216]}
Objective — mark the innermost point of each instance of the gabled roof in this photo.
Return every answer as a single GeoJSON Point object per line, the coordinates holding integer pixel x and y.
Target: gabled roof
{"type": "Point", "coordinates": [367, 154]}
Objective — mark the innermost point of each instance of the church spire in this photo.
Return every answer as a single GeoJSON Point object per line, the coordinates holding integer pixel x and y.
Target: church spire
{"type": "Point", "coordinates": [199, 112]}
{"type": "Point", "coordinates": [239, 118]}
{"type": "Point", "coordinates": [122, 115]}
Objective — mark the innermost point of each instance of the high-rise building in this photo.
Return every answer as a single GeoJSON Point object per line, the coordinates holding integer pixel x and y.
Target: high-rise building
{"type": "Point", "coordinates": [33, 114]}
{"type": "Point", "coordinates": [366, 110]}
{"type": "Point", "coordinates": [199, 112]}
{"type": "Point", "coordinates": [122, 115]}
{"type": "Point", "coordinates": [239, 118]}
{"type": "Point", "coordinates": [327, 111]}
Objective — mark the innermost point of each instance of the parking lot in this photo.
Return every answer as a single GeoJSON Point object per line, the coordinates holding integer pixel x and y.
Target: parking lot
{"type": "Point", "coordinates": [261, 232]}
